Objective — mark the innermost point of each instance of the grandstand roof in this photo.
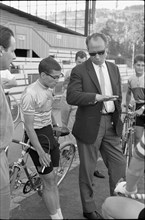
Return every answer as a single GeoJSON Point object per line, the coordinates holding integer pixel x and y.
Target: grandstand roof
{"type": "Point", "coordinates": [38, 20]}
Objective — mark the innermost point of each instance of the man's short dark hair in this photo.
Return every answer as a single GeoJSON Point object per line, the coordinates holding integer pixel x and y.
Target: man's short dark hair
{"type": "Point", "coordinates": [80, 54]}
{"type": "Point", "coordinates": [95, 36]}
{"type": "Point", "coordinates": [139, 57]}
{"type": "Point", "coordinates": [47, 65]}
{"type": "Point", "coordinates": [5, 36]}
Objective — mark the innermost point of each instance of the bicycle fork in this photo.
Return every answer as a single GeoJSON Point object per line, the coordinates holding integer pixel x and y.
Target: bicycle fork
{"type": "Point", "coordinates": [28, 175]}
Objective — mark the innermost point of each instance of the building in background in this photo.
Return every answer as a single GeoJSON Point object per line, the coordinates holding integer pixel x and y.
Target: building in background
{"type": "Point", "coordinates": [75, 15]}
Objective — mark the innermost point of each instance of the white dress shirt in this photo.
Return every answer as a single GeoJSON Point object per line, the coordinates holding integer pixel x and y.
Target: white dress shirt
{"type": "Point", "coordinates": [6, 74]}
{"type": "Point", "coordinates": [109, 105]}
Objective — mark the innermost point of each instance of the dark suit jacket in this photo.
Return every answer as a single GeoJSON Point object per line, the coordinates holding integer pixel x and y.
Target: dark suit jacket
{"type": "Point", "coordinates": [81, 91]}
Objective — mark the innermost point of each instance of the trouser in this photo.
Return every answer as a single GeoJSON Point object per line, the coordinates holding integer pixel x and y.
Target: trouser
{"type": "Point", "coordinates": [4, 187]}
{"type": "Point", "coordinates": [68, 113]}
{"type": "Point", "coordinates": [109, 145]}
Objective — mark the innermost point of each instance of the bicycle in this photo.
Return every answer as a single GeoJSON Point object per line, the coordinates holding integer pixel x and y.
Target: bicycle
{"type": "Point", "coordinates": [67, 153]}
{"type": "Point", "coordinates": [128, 135]}
{"type": "Point", "coordinates": [128, 139]}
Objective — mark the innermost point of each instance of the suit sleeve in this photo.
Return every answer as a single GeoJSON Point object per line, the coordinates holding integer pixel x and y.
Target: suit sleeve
{"type": "Point", "coordinates": [76, 95]}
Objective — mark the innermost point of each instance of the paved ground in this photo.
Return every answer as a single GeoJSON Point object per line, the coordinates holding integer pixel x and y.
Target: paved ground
{"type": "Point", "coordinates": [18, 195]}
{"type": "Point", "coordinates": [32, 206]}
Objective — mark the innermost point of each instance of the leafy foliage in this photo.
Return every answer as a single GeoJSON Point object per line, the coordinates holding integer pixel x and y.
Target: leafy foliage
{"type": "Point", "coordinates": [125, 30]}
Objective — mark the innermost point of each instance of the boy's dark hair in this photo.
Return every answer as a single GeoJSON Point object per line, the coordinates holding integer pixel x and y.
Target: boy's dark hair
{"type": "Point", "coordinates": [80, 54]}
{"type": "Point", "coordinates": [95, 36]}
{"type": "Point", "coordinates": [139, 57]}
{"type": "Point", "coordinates": [47, 65]}
{"type": "Point", "coordinates": [5, 36]}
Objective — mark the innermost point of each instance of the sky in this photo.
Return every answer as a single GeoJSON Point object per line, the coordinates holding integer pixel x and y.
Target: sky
{"type": "Point", "coordinates": [121, 4]}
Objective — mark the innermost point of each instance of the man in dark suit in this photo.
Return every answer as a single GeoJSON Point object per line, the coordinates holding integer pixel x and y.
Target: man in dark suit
{"type": "Point", "coordinates": [95, 87]}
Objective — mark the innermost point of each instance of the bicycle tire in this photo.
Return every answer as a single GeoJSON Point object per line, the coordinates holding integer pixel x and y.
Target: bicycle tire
{"type": "Point", "coordinates": [67, 153]}
{"type": "Point", "coordinates": [14, 107]}
{"type": "Point", "coordinates": [14, 173]}
{"type": "Point", "coordinates": [36, 180]}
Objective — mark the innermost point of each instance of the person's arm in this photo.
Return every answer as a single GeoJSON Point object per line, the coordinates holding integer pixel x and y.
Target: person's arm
{"type": "Point", "coordinates": [9, 83]}
{"type": "Point", "coordinates": [44, 157]}
{"type": "Point", "coordinates": [64, 111]}
{"type": "Point", "coordinates": [54, 123]}
{"type": "Point", "coordinates": [128, 98]}
{"type": "Point", "coordinates": [140, 111]}
{"type": "Point", "coordinates": [75, 93]}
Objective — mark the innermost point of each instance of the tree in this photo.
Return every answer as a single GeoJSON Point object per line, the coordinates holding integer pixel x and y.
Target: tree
{"type": "Point", "coordinates": [125, 30]}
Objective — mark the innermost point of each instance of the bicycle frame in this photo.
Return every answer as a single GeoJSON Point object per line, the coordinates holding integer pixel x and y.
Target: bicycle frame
{"type": "Point", "coordinates": [128, 136]}
{"type": "Point", "coordinates": [22, 164]}
{"type": "Point", "coordinates": [67, 153]}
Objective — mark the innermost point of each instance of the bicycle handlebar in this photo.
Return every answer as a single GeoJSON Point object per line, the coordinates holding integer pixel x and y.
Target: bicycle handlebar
{"type": "Point", "coordinates": [22, 143]}
{"type": "Point", "coordinates": [132, 114]}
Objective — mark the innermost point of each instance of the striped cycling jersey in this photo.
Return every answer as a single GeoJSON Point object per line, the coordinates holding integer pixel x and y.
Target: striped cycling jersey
{"type": "Point", "coordinates": [136, 85]}
{"type": "Point", "coordinates": [37, 100]}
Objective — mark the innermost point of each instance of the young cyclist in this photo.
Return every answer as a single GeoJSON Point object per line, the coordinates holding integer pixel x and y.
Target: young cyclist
{"type": "Point", "coordinates": [136, 88]}
{"type": "Point", "coordinates": [36, 104]}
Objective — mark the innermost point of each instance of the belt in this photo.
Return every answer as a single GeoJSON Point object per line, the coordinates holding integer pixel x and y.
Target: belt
{"type": "Point", "coordinates": [107, 114]}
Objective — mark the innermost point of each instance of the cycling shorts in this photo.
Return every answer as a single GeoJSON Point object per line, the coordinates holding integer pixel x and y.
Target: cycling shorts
{"type": "Point", "coordinates": [140, 120]}
{"type": "Point", "coordinates": [49, 145]}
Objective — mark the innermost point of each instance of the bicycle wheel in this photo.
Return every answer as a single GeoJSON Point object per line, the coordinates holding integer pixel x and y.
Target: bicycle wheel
{"type": "Point", "coordinates": [14, 107]}
{"type": "Point", "coordinates": [36, 181]}
{"type": "Point", "coordinates": [67, 153]}
{"type": "Point", "coordinates": [14, 177]}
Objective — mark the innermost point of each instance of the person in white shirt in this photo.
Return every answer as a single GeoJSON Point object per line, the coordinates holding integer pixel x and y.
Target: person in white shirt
{"type": "Point", "coordinates": [68, 112]}
{"type": "Point", "coordinates": [7, 54]}
{"type": "Point", "coordinates": [8, 81]}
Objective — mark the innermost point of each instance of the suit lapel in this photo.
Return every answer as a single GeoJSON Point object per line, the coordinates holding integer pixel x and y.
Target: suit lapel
{"type": "Point", "coordinates": [92, 74]}
{"type": "Point", "coordinates": [112, 77]}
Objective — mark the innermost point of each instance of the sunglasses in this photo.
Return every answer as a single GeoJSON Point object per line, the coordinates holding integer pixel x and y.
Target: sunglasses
{"type": "Point", "coordinates": [100, 53]}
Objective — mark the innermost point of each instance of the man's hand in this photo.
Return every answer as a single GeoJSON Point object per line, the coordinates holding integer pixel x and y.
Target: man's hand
{"type": "Point", "coordinates": [105, 98]}
{"type": "Point", "coordinates": [44, 159]}
{"type": "Point", "coordinates": [139, 112]}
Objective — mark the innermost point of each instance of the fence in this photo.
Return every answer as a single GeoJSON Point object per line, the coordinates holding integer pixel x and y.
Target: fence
{"type": "Point", "coordinates": [28, 73]}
